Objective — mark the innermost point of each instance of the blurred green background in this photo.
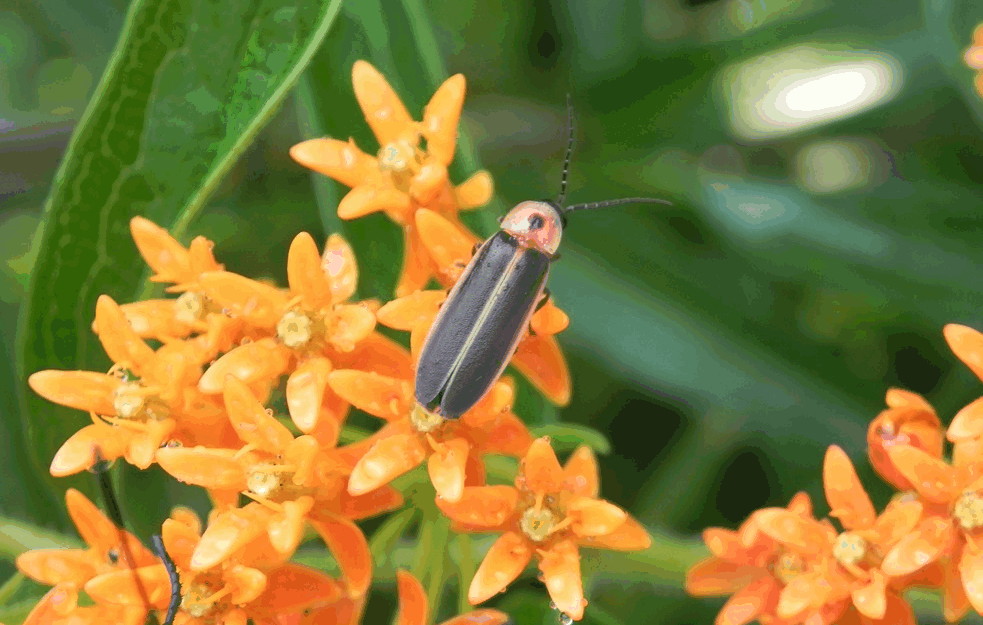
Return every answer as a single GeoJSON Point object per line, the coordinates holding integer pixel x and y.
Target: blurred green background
{"type": "Point", "coordinates": [825, 159]}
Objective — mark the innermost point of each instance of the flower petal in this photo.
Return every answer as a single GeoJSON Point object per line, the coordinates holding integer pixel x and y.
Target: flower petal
{"type": "Point", "coordinates": [167, 257]}
{"type": "Point", "coordinates": [121, 343]}
{"type": "Point", "coordinates": [933, 478]}
{"type": "Point", "coordinates": [259, 304]}
{"type": "Point", "coordinates": [357, 507]}
{"type": "Point", "coordinates": [57, 602]}
{"type": "Point", "coordinates": [88, 446]}
{"type": "Point", "coordinates": [57, 566]}
{"type": "Point", "coordinates": [441, 116]}
{"type": "Point", "coordinates": [446, 468]}
{"type": "Point", "coordinates": [971, 571]}
{"type": "Point", "coordinates": [561, 573]}
{"type": "Point", "coordinates": [132, 586]}
{"type": "Point", "coordinates": [379, 395]}
{"type": "Point", "coordinates": [341, 160]}
{"type": "Point", "coordinates": [475, 191]}
{"type": "Point", "coordinates": [629, 536]}
{"type": "Point", "coordinates": [540, 471]}
{"type": "Point", "coordinates": [412, 600]}
{"type": "Point", "coordinates": [871, 599]}
{"type": "Point", "coordinates": [209, 468]}
{"type": "Point", "coordinates": [82, 390]}
{"type": "Point", "coordinates": [349, 548]}
{"type": "Point", "coordinates": [352, 323]}
{"type": "Point", "coordinates": [714, 576]}
{"type": "Point", "coordinates": [427, 184]}
{"type": "Point", "coordinates": [918, 549]}
{"type": "Point", "coordinates": [482, 617]}
{"type": "Point", "coordinates": [967, 344]}
{"type": "Point", "coordinates": [244, 582]}
{"type": "Point", "coordinates": [417, 264]}
{"type": "Point", "coordinates": [749, 602]}
{"type": "Point", "coordinates": [338, 264]}
{"type": "Point", "coordinates": [293, 587]}
{"type": "Point", "coordinates": [549, 319]}
{"type": "Point", "coordinates": [449, 245]}
{"type": "Point", "coordinates": [595, 517]}
{"type": "Point", "coordinates": [580, 473]}
{"type": "Point", "coordinates": [380, 354]}
{"type": "Point", "coordinates": [305, 392]}
{"type": "Point", "coordinates": [304, 272]}
{"type": "Point", "coordinates": [261, 360]}
{"type": "Point", "coordinates": [287, 528]}
{"type": "Point", "coordinates": [540, 360]}
{"type": "Point", "coordinates": [251, 421]}
{"type": "Point", "coordinates": [802, 534]}
{"type": "Point", "coordinates": [504, 562]}
{"type": "Point", "coordinates": [508, 435]}
{"type": "Point", "coordinates": [482, 506]}
{"type": "Point", "coordinates": [364, 200]}
{"type": "Point", "coordinates": [228, 532]}
{"type": "Point", "coordinates": [800, 594]}
{"type": "Point", "coordinates": [180, 541]}
{"type": "Point", "coordinates": [847, 498]}
{"type": "Point", "coordinates": [968, 422]}
{"type": "Point", "coordinates": [899, 519]}
{"type": "Point", "coordinates": [411, 310]}
{"type": "Point", "coordinates": [383, 109]}
{"type": "Point", "coordinates": [385, 461]}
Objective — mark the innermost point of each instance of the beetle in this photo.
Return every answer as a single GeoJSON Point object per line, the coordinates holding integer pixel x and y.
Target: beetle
{"type": "Point", "coordinates": [486, 313]}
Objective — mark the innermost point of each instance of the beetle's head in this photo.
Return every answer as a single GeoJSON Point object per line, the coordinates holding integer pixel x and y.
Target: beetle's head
{"type": "Point", "coordinates": [538, 225]}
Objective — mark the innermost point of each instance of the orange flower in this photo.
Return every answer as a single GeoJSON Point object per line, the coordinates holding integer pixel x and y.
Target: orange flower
{"type": "Point", "coordinates": [110, 549]}
{"type": "Point", "coordinates": [251, 586]}
{"type": "Point", "coordinates": [908, 420]}
{"type": "Point", "coordinates": [551, 511]}
{"type": "Point", "coordinates": [51, 610]}
{"type": "Point", "coordinates": [292, 480]}
{"type": "Point", "coordinates": [973, 57]}
{"type": "Point", "coordinates": [149, 397]}
{"type": "Point", "coordinates": [538, 356]}
{"type": "Point", "coordinates": [756, 569]}
{"type": "Point", "coordinates": [305, 331]}
{"type": "Point", "coordinates": [453, 448]}
{"type": "Point", "coordinates": [404, 176]}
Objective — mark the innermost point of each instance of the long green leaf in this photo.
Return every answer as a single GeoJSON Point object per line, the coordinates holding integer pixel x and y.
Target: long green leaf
{"type": "Point", "coordinates": [187, 88]}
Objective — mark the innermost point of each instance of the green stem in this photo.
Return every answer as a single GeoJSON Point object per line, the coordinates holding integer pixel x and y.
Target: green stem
{"type": "Point", "coordinates": [10, 587]}
{"type": "Point", "coordinates": [435, 582]}
{"type": "Point", "coordinates": [466, 569]}
{"type": "Point", "coordinates": [16, 537]}
{"type": "Point", "coordinates": [384, 539]}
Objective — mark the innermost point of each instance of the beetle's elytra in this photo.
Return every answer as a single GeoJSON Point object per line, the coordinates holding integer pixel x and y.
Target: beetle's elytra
{"type": "Point", "coordinates": [487, 311]}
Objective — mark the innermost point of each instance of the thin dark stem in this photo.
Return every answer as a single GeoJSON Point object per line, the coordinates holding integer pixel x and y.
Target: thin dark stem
{"type": "Point", "coordinates": [172, 575]}
{"type": "Point", "coordinates": [566, 158]}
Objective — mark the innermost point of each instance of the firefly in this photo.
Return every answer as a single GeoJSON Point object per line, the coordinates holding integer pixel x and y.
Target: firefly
{"type": "Point", "coordinates": [487, 312]}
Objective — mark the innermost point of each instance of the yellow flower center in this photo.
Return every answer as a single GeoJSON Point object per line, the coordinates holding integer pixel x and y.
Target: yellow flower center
{"type": "Point", "coordinates": [189, 307]}
{"type": "Point", "coordinates": [197, 600]}
{"type": "Point", "coordinates": [425, 421]}
{"type": "Point", "coordinates": [295, 329]}
{"type": "Point", "coordinates": [264, 482]}
{"type": "Point", "coordinates": [788, 566]}
{"type": "Point", "coordinates": [537, 524]}
{"type": "Point", "coordinates": [133, 401]}
{"type": "Point", "coordinates": [398, 157]}
{"type": "Point", "coordinates": [849, 548]}
{"type": "Point", "coordinates": [968, 510]}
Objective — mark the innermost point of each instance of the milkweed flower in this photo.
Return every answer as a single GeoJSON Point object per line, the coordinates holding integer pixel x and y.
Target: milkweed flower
{"type": "Point", "coordinates": [292, 480]}
{"type": "Point", "coordinates": [304, 331]}
{"type": "Point", "coordinates": [549, 514]}
{"type": "Point", "coordinates": [538, 356]}
{"type": "Point", "coordinates": [256, 584]}
{"type": "Point", "coordinates": [453, 448]}
{"type": "Point", "coordinates": [149, 397]}
{"type": "Point", "coordinates": [404, 176]}
{"type": "Point", "coordinates": [108, 549]}
{"type": "Point", "coordinates": [908, 420]}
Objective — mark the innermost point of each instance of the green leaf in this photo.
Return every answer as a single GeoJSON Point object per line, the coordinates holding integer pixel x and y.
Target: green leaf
{"type": "Point", "coordinates": [568, 436]}
{"type": "Point", "coordinates": [16, 537]}
{"type": "Point", "coordinates": [187, 88]}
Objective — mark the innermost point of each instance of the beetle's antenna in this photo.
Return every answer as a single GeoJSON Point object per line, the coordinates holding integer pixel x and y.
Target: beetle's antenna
{"type": "Point", "coordinates": [172, 575]}
{"type": "Point", "coordinates": [618, 202]}
{"type": "Point", "coordinates": [566, 159]}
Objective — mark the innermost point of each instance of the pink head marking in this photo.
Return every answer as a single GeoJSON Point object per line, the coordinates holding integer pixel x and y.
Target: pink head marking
{"type": "Point", "coordinates": [537, 225]}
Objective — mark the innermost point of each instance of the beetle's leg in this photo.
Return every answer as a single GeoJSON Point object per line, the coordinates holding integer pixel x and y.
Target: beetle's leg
{"type": "Point", "coordinates": [545, 298]}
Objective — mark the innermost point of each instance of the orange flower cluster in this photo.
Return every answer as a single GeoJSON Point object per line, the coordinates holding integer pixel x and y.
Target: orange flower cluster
{"type": "Point", "coordinates": [785, 567]}
{"type": "Point", "coordinates": [973, 57]}
{"type": "Point", "coordinates": [195, 378]}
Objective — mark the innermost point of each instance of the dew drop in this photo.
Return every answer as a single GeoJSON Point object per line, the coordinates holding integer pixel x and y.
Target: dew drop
{"type": "Point", "coordinates": [565, 619]}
